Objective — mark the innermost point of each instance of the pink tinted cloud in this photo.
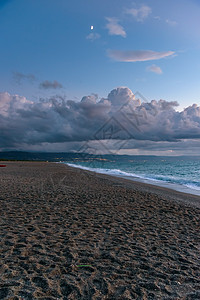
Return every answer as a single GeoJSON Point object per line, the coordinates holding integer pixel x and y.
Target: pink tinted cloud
{"type": "Point", "coordinates": [137, 55]}
{"type": "Point", "coordinates": [154, 69]}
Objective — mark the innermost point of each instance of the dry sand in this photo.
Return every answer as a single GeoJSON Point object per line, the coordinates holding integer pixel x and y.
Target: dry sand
{"type": "Point", "coordinates": [69, 234]}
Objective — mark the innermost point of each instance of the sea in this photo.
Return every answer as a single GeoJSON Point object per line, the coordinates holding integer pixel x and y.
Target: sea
{"type": "Point", "coordinates": [180, 173]}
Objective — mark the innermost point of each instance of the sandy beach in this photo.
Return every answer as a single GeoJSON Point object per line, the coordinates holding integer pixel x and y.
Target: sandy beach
{"type": "Point", "coordinates": [67, 233]}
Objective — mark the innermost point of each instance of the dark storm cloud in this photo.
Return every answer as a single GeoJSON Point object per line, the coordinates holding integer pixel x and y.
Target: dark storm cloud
{"type": "Point", "coordinates": [50, 85]}
{"type": "Point", "coordinates": [119, 116]}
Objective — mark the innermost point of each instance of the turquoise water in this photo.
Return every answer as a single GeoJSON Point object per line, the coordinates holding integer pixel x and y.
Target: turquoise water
{"type": "Point", "coordinates": [180, 173]}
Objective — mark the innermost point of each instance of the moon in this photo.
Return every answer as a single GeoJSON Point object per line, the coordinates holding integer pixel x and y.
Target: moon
{"type": "Point", "coordinates": [91, 27]}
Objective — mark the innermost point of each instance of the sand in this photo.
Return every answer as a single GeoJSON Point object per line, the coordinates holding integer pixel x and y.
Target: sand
{"type": "Point", "coordinates": [66, 233]}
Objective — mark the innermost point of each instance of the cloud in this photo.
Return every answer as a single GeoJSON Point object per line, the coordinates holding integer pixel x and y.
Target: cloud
{"type": "Point", "coordinates": [119, 116]}
{"type": "Point", "coordinates": [139, 14]}
{"type": "Point", "coordinates": [19, 77]}
{"type": "Point", "coordinates": [50, 85]}
{"type": "Point", "coordinates": [114, 28]}
{"type": "Point", "coordinates": [181, 147]}
{"type": "Point", "coordinates": [154, 69]}
{"type": "Point", "coordinates": [171, 23]}
{"type": "Point", "coordinates": [121, 96]}
{"type": "Point", "coordinates": [93, 36]}
{"type": "Point", "coordinates": [137, 55]}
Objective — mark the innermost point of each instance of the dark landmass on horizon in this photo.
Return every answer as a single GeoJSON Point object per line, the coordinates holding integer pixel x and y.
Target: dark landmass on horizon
{"type": "Point", "coordinates": [74, 156]}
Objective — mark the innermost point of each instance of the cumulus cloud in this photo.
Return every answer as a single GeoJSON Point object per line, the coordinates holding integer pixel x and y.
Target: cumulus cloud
{"type": "Point", "coordinates": [154, 69]}
{"type": "Point", "coordinates": [50, 85]}
{"type": "Point", "coordinates": [137, 55]}
{"type": "Point", "coordinates": [119, 116]}
{"type": "Point", "coordinates": [114, 28]}
{"type": "Point", "coordinates": [139, 14]}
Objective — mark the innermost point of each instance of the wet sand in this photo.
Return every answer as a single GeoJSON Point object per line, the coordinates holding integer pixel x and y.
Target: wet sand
{"type": "Point", "coordinates": [66, 233]}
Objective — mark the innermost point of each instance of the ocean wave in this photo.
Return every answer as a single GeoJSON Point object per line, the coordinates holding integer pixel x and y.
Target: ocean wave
{"type": "Point", "coordinates": [149, 177]}
{"type": "Point", "coordinates": [174, 180]}
{"type": "Point", "coordinates": [116, 172]}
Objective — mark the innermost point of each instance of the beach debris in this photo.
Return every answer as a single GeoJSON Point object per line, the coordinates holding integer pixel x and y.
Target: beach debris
{"type": "Point", "coordinates": [84, 266]}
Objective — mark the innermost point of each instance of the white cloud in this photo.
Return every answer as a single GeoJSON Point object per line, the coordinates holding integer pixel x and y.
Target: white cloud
{"type": "Point", "coordinates": [114, 28]}
{"type": "Point", "coordinates": [93, 36]}
{"type": "Point", "coordinates": [155, 69]}
{"type": "Point", "coordinates": [10, 104]}
{"type": "Point", "coordinates": [137, 55]}
{"type": "Point", "coordinates": [121, 95]}
{"type": "Point", "coordinates": [139, 14]}
{"type": "Point", "coordinates": [171, 22]}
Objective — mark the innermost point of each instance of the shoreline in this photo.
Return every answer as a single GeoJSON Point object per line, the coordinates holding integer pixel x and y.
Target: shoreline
{"type": "Point", "coordinates": [69, 234]}
{"type": "Point", "coordinates": [172, 186]}
{"type": "Point", "coordinates": [192, 200]}
{"type": "Point", "coordinates": [174, 195]}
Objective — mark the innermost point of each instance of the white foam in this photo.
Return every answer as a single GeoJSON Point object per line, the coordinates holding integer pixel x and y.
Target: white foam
{"type": "Point", "coordinates": [160, 180]}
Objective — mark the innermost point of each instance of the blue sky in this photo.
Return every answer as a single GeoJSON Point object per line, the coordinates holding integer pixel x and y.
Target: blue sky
{"type": "Point", "coordinates": [53, 53]}
{"type": "Point", "coordinates": [53, 40]}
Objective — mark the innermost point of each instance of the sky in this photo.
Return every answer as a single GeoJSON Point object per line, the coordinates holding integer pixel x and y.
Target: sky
{"type": "Point", "coordinates": [65, 65]}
